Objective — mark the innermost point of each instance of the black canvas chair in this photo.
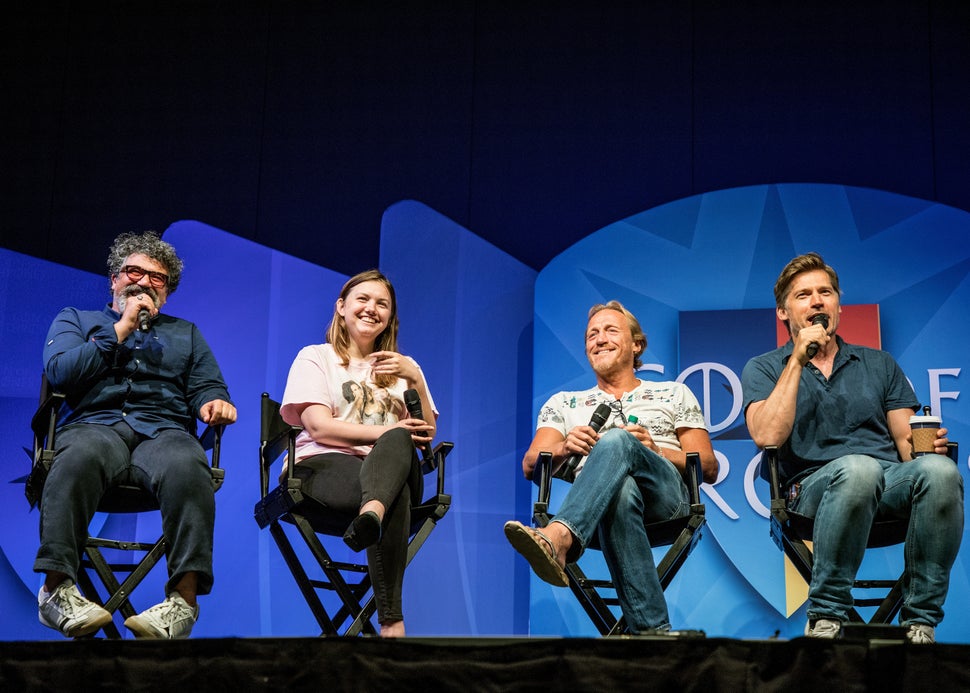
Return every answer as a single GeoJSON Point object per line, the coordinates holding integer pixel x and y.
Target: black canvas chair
{"type": "Point", "coordinates": [352, 604]}
{"type": "Point", "coordinates": [104, 560]}
{"type": "Point", "coordinates": [679, 535]}
{"type": "Point", "coordinates": [793, 534]}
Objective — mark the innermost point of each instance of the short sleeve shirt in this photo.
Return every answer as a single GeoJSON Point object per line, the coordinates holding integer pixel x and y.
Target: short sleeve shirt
{"type": "Point", "coordinates": [660, 407]}
{"type": "Point", "coordinates": [840, 415]}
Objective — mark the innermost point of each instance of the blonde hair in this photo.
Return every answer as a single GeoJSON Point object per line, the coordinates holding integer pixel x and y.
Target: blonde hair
{"type": "Point", "coordinates": [635, 330]}
{"type": "Point", "coordinates": [339, 338]}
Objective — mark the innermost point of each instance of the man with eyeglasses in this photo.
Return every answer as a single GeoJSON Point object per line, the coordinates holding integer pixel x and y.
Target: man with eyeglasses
{"type": "Point", "coordinates": [630, 472]}
{"type": "Point", "coordinates": [135, 382]}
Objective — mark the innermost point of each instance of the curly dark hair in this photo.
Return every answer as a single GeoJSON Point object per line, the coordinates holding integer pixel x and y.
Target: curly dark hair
{"type": "Point", "coordinates": [151, 245]}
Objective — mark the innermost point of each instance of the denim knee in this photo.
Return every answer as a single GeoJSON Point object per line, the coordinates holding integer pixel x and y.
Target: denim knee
{"type": "Point", "coordinates": [937, 470]}
{"type": "Point", "coordinates": [615, 441]}
{"type": "Point", "coordinates": [858, 475]}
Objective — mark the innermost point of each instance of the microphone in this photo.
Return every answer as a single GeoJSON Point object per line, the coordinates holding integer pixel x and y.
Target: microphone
{"type": "Point", "coordinates": [144, 320]}
{"type": "Point", "coordinates": [596, 422]}
{"type": "Point", "coordinates": [822, 320]}
{"type": "Point", "coordinates": [413, 403]}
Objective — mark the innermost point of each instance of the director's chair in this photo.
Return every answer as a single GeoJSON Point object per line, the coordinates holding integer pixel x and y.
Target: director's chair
{"type": "Point", "coordinates": [99, 571]}
{"type": "Point", "coordinates": [288, 503]}
{"type": "Point", "coordinates": [679, 534]}
{"type": "Point", "coordinates": [792, 533]}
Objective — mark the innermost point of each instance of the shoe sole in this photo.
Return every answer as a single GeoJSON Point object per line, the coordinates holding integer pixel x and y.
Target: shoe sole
{"type": "Point", "coordinates": [142, 630]}
{"type": "Point", "coordinates": [537, 551]}
{"type": "Point", "coordinates": [90, 627]}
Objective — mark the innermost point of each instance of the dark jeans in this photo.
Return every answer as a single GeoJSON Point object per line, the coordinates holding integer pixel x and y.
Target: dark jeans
{"type": "Point", "coordinates": [391, 474]}
{"type": "Point", "coordinates": [91, 457]}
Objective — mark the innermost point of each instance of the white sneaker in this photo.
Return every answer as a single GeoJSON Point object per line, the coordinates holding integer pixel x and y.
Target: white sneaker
{"type": "Point", "coordinates": [66, 610]}
{"type": "Point", "coordinates": [921, 634]}
{"type": "Point", "coordinates": [824, 628]}
{"type": "Point", "coordinates": [171, 620]}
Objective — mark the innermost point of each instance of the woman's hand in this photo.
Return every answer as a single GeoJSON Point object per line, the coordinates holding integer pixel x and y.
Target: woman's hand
{"type": "Point", "coordinates": [397, 365]}
{"type": "Point", "coordinates": [421, 431]}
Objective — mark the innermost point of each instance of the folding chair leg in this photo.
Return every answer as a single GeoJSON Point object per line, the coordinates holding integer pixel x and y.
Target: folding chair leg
{"type": "Point", "coordinates": [348, 597]}
{"type": "Point", "coordinates": [121, 593]}
{"type": "Point", "coordinates": [87, 587]}
{"type": "Point", "coordinates": [302, 579]}
{"type": "Point", "coordinates": [890, 605]}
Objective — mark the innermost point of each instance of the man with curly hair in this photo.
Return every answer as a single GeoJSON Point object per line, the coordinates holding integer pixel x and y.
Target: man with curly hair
{"type": "Point", "coordinates": [135, 382]}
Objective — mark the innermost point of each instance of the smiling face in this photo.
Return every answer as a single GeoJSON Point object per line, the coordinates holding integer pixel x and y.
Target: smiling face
{"type": "Point", "coordinates": [366, 312]}
{"type": "Point", "coordinates": [811, 294]}
{"type": "Point", "coordinates": [609, 343]}
{"type": "Point", "coordinates": [122, 285]}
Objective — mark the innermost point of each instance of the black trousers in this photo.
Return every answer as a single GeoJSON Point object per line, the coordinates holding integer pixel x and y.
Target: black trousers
{"type": "Point", "coordinates": [391, 474]}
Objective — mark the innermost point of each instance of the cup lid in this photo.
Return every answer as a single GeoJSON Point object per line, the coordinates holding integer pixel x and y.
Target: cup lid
{"type": "Point", "coordinates": [919, 419]}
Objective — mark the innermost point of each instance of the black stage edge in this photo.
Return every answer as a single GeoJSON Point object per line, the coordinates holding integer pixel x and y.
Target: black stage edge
{"type": "Point", "coordinates": [489, 664]}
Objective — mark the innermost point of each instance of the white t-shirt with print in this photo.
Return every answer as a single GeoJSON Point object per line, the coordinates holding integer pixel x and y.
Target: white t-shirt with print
{"type": "Point", "coordinates": [661, 408]}
{"type": "Point", "coordinates": [317, 377]}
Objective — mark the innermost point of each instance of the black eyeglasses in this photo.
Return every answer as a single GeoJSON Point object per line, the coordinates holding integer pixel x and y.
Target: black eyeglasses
{"type": "Point", "coordinates": [135, 273]}
{"type": "Point", "coordinates": [618, 418]}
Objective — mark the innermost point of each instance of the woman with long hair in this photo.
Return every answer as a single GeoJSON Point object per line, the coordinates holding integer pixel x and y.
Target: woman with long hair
{"type": "Point", "coordinates": [371, 472]}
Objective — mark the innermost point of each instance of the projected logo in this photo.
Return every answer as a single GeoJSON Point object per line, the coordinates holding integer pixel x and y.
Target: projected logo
{"type": "Point", "coordinates": [699, 275]}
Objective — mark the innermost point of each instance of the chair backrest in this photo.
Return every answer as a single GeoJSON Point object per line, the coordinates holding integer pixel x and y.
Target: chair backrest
{"type": "Point", "coordinates": [276, 437]}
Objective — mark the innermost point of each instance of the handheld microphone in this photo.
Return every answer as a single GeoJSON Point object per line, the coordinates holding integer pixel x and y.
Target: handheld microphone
{"type": "Point", "coordinates": [822, 320]}
{"type": "Point", "coordinates": [596, 422]}
{"type": "Point", "coordinates": [413, 403]}
{"type": "Point", "coordinates": [144, 320]}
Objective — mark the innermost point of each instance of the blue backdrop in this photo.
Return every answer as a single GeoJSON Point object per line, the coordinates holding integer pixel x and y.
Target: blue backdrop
{"type": "Point", "coordinates": [698, 272]}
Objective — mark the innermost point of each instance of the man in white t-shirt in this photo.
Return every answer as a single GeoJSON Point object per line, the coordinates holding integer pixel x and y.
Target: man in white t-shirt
{"type": "Point", "coordinates": [629, 473]}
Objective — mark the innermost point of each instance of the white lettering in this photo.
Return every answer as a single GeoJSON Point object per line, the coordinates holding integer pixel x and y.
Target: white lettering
{"type": "Point", "coordinates": [706, 368]}
{"type": "Point", "coordinates": [936, 394]}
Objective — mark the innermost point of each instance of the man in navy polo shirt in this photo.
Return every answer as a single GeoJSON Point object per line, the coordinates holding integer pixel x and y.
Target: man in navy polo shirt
{"type": "Point", "coordinates": [839, 414]}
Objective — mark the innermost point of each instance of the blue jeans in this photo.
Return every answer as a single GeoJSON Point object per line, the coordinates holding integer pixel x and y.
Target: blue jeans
{"type": "Point", "coordinates": [622, 485]}
{"type": "Point", "coordinates": [846, 495]}
{"type": "Point", "coordinates": [90, 457]}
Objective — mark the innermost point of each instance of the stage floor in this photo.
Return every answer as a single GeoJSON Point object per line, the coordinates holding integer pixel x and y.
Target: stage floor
{"type": "Point", "coordinates": [475, 664]}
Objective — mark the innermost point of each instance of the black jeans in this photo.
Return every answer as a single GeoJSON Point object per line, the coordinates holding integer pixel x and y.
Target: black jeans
{"type": "Point", "coordinates": [391, 474]}
{"type": "Point", "coordinates": [91, 457]}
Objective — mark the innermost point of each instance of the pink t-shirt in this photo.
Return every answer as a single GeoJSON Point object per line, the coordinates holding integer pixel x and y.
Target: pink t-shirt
{"type": "Point", "coordinates": [317, 377]}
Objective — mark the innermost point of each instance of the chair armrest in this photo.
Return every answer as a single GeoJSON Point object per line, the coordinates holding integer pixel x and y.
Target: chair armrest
{"type": "Point", "coordinates": [44, 420]}
{"type": "Point", "coordinates": [769, 456]}
{"type": "Point", "coordinates": [693, 474]}
{"type": "Point", "coordinates": [542, 476]}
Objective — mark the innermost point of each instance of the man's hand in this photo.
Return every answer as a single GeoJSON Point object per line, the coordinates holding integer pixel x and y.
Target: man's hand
{"type": "Point", "coordinates": [217, 412]}
{"type": "Point", "coordinates": [643, 435]}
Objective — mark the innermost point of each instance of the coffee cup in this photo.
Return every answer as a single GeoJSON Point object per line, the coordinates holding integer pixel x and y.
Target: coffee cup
{"type": "Point", "coordinates": [924, 433]}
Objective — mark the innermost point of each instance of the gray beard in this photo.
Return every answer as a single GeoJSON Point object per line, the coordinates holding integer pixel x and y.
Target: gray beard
{"type": "Point", "coordinates": [135, 290]}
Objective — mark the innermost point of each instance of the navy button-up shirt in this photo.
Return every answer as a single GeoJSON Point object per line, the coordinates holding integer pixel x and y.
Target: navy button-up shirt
{"type": "Point", "coordinates": [840, 415]}
{"type": "Point", "coordinates": [153, 380]}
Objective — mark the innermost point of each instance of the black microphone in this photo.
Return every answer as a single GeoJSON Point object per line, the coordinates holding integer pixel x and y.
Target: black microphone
{"type": "Point", "coordinates": [596, 422]}
{"type": "Point", "coordinates": [144, 320]}
{"type": "Point", "coordinates": [413, 402]}
{"type": "Point", "coordinates": [822, 320]}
